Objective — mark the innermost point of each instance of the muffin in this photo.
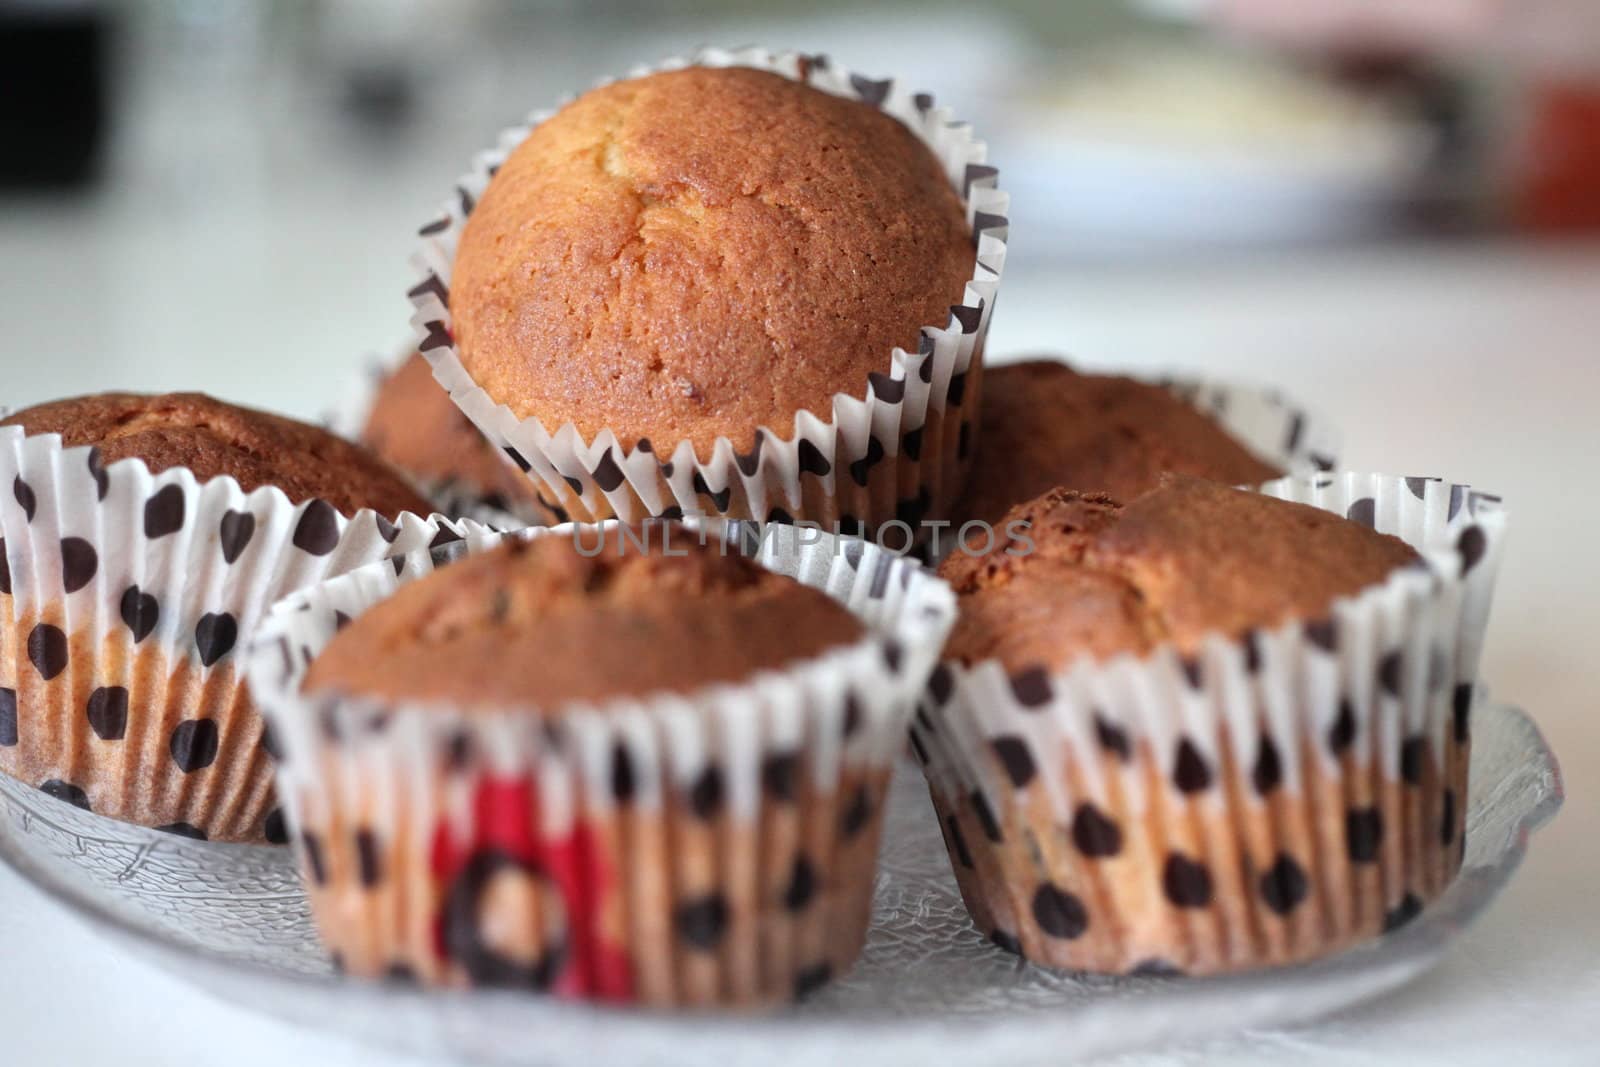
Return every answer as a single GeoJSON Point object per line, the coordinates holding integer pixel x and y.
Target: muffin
{"type": "Point", "coordinates": [644, 771]}
{"type": "Point", "coordinates": [717, 289]}
{"type": "Point", "coordinates": [143, 536]}
{"type": "Point", "coordinates": [1044, 425]}
{"type": "Point", "coordinates": [1210, 729]}
{"type": "Point", "coordinates": [412, 424]}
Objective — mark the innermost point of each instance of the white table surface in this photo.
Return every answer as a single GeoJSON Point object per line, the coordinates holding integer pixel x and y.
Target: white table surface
{"type": "Point", "coordinates": [1477, 363]}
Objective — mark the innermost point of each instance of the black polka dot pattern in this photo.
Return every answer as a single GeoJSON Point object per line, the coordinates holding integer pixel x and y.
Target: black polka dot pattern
{"type": "Point", "coordinates": [79, 563]}
{"type": "Point", "coordinates": [369, 867]}
{"type": "Point", "coordinates": [1015, 759]}
{"type": "Point", "coordinates": [1412, 755]}
{"type": "Point", "coordinates": [1031, 687]}
{"type": "Point", "coordinates": [1342, 734]}
{"type": "Point", "coordinates": [812, 979]}
{"type": "Point", "coordinates": [108, 712]}
{"type": "Point", "coordinates": [25, 497]}
{"type": "Point", "coordinates": [276, 827]}
{"type": "Point", "coordinates": [1095, 833]}
{"type": "Point", "coordinates": [1186, 882]}
{"type": "Point", "coordinates": [215, 636]}
{"type": "Point", "coordinates": [1113, 738]}
{"type": "Point", "coordinates": [1472, 544]}
{"type": "Point", "coordinates": [780, 776]}
{"type": "Point", "coordinates": [1324, 633]}
{"type": "Point", "coordinates": [1363, 831]}
{"type": "Point", "coordinates": [1390, 670]}
{"type": "Point", "coordinates": [701, 922]}
{"type": "Point", "coordinates": [183, 829]}
{"type": "Point", "coordinates": [5, 570]}
{"type": "Point", "coordinates": [852, 715]}
{"type": "Point", "coordinates": [812, 461]}
{"type": "Point", "coordinates": [1267, 774]}
{"type": "Point", "coordinates": [802, 885]}
{"type": "Point", "coordinates": [861, 467]}
{"type": "Point", "coordinates": [856, 813]}
{"type": "Point", "coordinates": [1191, 775]}
{"type": "Point", "coordinates": [66, 791]}
{"type": "Point", "coordinates": [1447, 818]}
{"type": "Point", "coordinates": [706, 795]}
{"type": "Point", "coordinates": [193, 745]}
{"type": "Point", "coordinates": [1364, 511]}
{"type": "Point", "coordinates": [623, 780]}
{"type": "Point", "coordinates": [234, 534]}
{"type": "Point", "coordinates": [1059, 913]}
{"type": "Point", "coordinates": [985, 815]}
{"type": "Point", "coordinates": [1409, 908]}
{"type": "Point", "coordinates": [958, 842]}
{"type": "Point", "coordinates": [317, 532]}
{"type": "Point", "coordinates": [97, 471]}
{"type": "Point", "coordinates": [311, 853]}
{"type": "Point", "coordinates": [140, 612]}
{"type": "Point", "coordinates": [47, 650]}
{"type": "Point", "coordinates": [463, 934]}
{"type": "Point", "coordinates": [941, 684]}
{"type": "Point", "coordinates": [1284, 886]}
{"type": "Point", "coordinates": [1461, 712]}
{"type": "Point", "coordinates": [8, 717]}
{"type": "Point", "coordinates": [163, 513]}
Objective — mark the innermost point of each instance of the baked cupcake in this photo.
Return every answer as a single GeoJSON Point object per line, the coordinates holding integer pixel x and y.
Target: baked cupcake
{"type": "Point", "coordinates": [411, 423]}
{"type": "Point", "coordinates": [1043, 425]}
{"type": "Point", "coordinates": [1211, 729]}
{"type": "Point", "coordinates": [647, 771]}
{"type": "Point", "coordinates": [143, 536]}
{"type": "Point", "coordinates": [755, 286]}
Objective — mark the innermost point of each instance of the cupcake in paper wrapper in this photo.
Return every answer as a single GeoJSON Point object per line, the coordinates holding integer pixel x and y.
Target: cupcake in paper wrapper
{"type": "Point", "coordinates": [895, 446]}
{"type": "Point", "coordinates": [1265, 801]}
{"type": "Point", "coordinates": [125, 598]}
{"type": "Point", "coordinates": [689, 851]}
{"type": "Point", "coordinates": [394, 407]}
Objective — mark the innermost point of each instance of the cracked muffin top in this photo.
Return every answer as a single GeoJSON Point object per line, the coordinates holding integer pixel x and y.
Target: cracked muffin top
{"type": "Point", "coordinates": [543, 622]}
{"type": "Point", "coordinates": [417, 427]}
{"type": "Point", "coordinates": [212, 438]}
{"type": "Point", "coordinates": [1043, 425]}
{"type": "Point", "coordinates": [702, 252]}
{"type": "Point", "coordinates": [1186, 559]}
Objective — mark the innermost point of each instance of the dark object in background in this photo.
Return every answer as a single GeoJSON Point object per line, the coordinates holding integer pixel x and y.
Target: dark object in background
{"type": "Point", "coordinates": [53, 104]}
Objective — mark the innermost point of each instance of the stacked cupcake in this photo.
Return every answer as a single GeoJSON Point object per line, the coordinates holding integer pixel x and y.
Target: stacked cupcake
{"type": "Point", "coordinates": [729, 315]}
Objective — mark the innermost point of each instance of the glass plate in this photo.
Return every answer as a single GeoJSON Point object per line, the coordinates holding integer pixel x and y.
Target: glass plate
{"type": "Point", "coordinates": [232, 919]}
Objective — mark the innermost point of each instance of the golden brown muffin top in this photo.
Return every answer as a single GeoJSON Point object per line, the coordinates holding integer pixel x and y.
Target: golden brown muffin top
{"type": "Point", "coordinates": [415, 425]}
{"type": "Point", "coordinates": [1187, 559]}
{"type": "Point", "coordinates": [703, 252]}
{"type": "Point", "coordinates": [541, 623]}
{"type": "Point", "coordinates": [212, 438]}
{"type": "Point", "coordinates": [1043, 425]}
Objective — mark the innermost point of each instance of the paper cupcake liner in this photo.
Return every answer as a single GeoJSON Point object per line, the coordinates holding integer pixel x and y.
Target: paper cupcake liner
{"type": "Point", "coordinates": [458, 498]}
{"type": "Point", "coordinates": [123, 599]}
{"type": "Point", "coordinates": [897, 448]}
{"type": "Point", "coordinates": [1265, 801]}
{"type": "Point", "coordinates": [714, 849]}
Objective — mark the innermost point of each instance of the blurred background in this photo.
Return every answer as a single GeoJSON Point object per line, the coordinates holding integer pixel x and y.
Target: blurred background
{"type": "Point", "coordinates": [1389, 209]}
{"type": "Point", "coordinates": [234, 185]}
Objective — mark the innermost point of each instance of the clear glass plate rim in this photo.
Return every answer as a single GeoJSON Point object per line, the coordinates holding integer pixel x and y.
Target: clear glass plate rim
{"type": "Point", "coordinates": [1414, 948]}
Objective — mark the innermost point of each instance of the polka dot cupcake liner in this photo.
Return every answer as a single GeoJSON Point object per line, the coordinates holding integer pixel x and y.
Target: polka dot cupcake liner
{"type": "Point", "coordinates": [455, 497]}
{"type": "Point", "coordinates": [710, 850]}
{"type": "Point", "coordinates": [1268, 800]}
{"type": "Point", "coordinates": [898, 449]}
{"type": "Point", "coordinates": [124, 597]}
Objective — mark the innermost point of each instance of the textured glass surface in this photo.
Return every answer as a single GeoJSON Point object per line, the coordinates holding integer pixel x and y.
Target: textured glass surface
{"type": "Point", "coordinates": [233, 919]}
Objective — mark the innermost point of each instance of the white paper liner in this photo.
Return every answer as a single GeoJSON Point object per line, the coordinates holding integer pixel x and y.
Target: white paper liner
{"type": "Point", "coordinates": [736, 828]}
{"type": "Point", "coordinates": [125, 597]}
{"type": "Point", "coordinates": [455, 497]}
{"type": "Point", "coordinates": [1265, 801]}
{"type": "Point", "coordinates": [895, 448]}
